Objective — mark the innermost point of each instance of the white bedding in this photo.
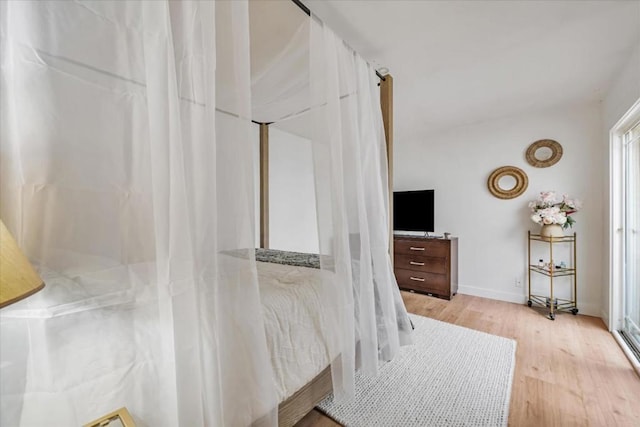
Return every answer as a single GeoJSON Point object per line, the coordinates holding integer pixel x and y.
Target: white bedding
{"type": "Point", "coordinates": [297, 322]}
{"type": "Point", "coordinates": [298, 327]}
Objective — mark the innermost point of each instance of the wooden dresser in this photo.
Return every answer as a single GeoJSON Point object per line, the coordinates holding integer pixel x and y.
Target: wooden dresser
{"type": "Point", "coordinates": [428, 266]}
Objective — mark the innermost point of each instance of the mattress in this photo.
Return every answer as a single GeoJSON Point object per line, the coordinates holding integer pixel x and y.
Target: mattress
{"type": "Point", "coordinates": [298, 324]}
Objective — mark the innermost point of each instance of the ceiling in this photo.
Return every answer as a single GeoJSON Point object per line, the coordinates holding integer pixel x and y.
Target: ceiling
{"type": "Point", "coordinates": [461, 62]}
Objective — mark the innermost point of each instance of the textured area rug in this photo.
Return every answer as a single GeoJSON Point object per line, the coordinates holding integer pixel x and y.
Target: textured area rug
{"type": "Point", "coordinates": [450, 376]}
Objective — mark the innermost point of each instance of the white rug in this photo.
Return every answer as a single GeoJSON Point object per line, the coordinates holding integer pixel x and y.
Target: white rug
{"type": "Point", "coordinates": [450, 376]}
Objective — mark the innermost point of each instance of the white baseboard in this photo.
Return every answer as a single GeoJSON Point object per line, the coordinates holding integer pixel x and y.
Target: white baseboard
{"type": "Point", "coordinates": [605, 318]}
{"type": "Point", "coordinates": [521, 298]}
{"type": "Point", "coordinates": [518, 298]}
{"type": "Point", "coordinates": [590, 309]}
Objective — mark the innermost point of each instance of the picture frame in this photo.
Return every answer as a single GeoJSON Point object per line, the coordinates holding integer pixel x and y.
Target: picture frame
{"type": "Point", "coordinates": [118, 418]}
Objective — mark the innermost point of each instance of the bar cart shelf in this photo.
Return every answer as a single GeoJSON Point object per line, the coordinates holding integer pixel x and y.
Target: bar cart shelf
{"type": "Point", "coordinates": [554, 304]}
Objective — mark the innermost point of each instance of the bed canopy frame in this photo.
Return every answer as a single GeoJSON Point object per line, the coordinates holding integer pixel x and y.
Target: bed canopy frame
{"type": "Point", "coordinates": [133, 197]}
{"type": "Point", "coordinates": [386, 105]}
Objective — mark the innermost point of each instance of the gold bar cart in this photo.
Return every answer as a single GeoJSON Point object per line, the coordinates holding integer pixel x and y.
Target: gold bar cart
{"type": "Point", "coordinates": [549, 301]}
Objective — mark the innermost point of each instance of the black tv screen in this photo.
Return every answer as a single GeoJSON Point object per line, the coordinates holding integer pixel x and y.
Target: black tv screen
{"type": "Point", "coordinates": [413, 210]}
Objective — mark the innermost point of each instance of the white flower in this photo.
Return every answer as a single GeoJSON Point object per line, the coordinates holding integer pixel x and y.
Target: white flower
{"type": "Point", "coordinates": [549, 209]}
{"type": "Point", "coordinates": [549, 212]}
{"type": "Point", "coordinates": [548, 197]}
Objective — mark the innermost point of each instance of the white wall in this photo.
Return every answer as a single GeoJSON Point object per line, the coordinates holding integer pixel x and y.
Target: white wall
{"type": "Point", "coordinates": [292, 200]}
{"type": "Point", "coordinates": [492, 232]}
{"type": "Point", "coordinates": [622, 94]}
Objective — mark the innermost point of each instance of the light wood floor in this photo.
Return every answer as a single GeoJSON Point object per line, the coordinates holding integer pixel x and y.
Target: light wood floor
{"type": "Point", "coordinates": [569, 372]}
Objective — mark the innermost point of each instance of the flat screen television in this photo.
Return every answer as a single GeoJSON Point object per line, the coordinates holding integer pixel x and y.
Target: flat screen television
{"type": "Point", "coordinates": [413, 210]}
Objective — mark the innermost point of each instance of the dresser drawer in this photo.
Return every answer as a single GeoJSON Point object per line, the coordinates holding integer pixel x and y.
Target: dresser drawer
{"type": "Point", "coordinates": [434, 247]}
{"type": "Point", "coordinates": [423, 281]}
{"type": "Point", "coordinates": [428, 264]}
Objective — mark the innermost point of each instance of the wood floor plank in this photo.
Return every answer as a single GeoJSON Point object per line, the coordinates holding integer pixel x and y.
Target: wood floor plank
{"type": "Point", "coordinates": [569, 372]}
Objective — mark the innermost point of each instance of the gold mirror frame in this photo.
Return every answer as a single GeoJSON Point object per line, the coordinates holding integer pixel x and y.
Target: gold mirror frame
{"type": "Point", "coordinates": [556, 153]}
{"type": "Point", "coordinates": [522, 182]}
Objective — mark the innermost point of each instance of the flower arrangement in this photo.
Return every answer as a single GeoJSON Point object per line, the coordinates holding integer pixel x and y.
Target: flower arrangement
{"type": "Point", "coordinates": [548, 208]}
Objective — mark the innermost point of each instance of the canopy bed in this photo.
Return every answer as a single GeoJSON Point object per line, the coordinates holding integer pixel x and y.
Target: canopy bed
{"type": "Point", "coordinates": [126, 164]}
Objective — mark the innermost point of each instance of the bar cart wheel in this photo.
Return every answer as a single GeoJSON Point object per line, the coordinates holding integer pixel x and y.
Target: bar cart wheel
{"type": "Point", "coordinates": [552, 316]}
{"type": "Point", "coordinates": [529, 303]}
{"type": "Point", "coordinates": [574, 311]}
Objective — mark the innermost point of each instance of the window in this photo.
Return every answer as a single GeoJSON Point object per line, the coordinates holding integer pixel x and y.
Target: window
{"type": "Point", "coordinates": [631, 237]}
{"type": "Point", "coordinates": [624, 232]}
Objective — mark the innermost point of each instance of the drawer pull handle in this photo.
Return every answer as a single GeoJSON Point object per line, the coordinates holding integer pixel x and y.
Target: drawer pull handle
{"type": "Point", "coordinates": [416, 263]}
{"type": "Point", "coordinates": [417, 279]}
{"type": "Point", "coordinates": [416, 249]}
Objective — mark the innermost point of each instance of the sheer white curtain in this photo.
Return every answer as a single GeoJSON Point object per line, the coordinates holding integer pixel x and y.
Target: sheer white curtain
{"type": "Point", "coordinates": [352, 202]}
{"type": "Point", "coordinates": [130, 188]}
{"type": "Point", "coordinates": [134, 198]}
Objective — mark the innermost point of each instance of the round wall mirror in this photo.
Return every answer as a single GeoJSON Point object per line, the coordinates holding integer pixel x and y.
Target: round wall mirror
{"type": "Point", "coordinates": [507, 182]}
{"type": "Point", "coordinates": [544, 153]}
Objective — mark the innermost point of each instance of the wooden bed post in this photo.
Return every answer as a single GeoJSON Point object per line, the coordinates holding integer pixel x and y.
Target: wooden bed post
{"type": "Point", "coordinates": [264, 185]}
{"type": "Point", "coordinates": [386, 104]}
